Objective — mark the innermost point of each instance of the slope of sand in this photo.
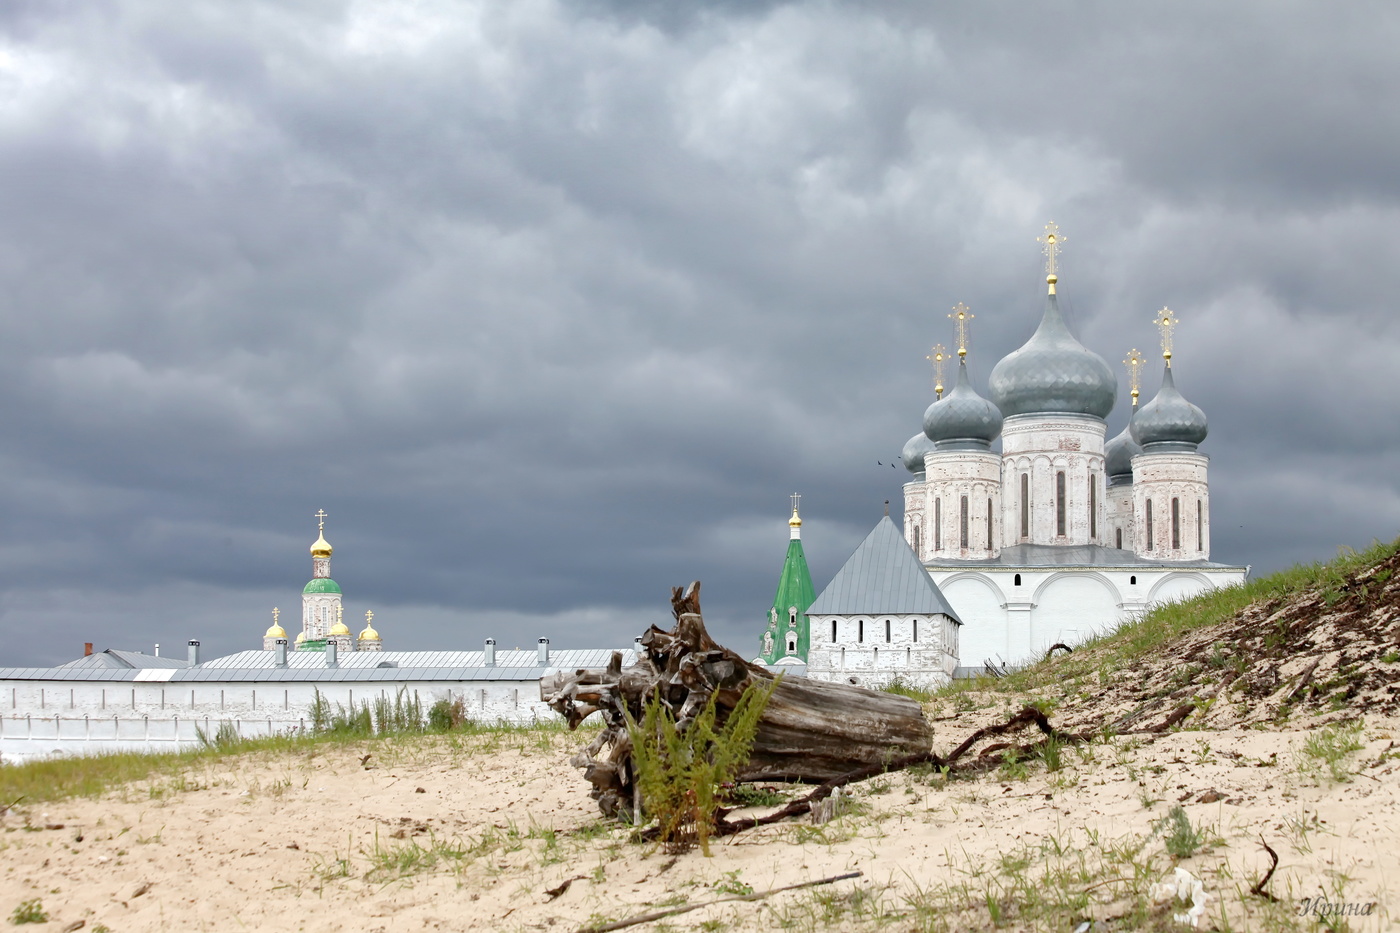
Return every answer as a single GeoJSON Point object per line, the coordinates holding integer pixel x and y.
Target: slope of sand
{"type": "Point", "coordinates": [444, 833]}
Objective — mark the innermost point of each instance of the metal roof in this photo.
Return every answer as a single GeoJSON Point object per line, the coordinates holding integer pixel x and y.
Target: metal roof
{"type": "Point", "coordinates": [356, 666]}
{"type": "Point", "coordinates": [882, 576]}
{"type": "Point", "coordinates": [116, 658]}
{"type": "Point", "coordinates": [1045, 556]}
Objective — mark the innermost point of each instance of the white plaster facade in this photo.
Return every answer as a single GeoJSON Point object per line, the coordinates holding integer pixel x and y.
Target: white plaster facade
{"type": "Point", "coordinates": [957, 512]}
{"type": "Point", "coordinates": [1171, 496]}
{"type": "Point", "coordinates": [1053, 473]}
{"type": "Point", "coordinates": [876, 650]}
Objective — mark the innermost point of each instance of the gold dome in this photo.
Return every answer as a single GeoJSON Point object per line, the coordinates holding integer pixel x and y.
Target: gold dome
{"type": "Point", "coordinates": [340, 628]}
{"type": "Point", "coordinates": [795, 521]}
{"type": "Point", "coordinates": [276, 631]}
{"type": "Point", "coordinates": [301, 637]}
{"type": "Point", "coordinates": [322, 547]}
{"type": "Point", "coordinates": [369, 634]}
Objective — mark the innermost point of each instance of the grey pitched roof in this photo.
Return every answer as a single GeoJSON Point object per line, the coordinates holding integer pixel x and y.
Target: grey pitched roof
{"type": "Point", "coordinates": [1025, 556]}
{"type": "Point", "coordinates": [124, 660]}
{"type": "Point", "coordinates": [882, 576]}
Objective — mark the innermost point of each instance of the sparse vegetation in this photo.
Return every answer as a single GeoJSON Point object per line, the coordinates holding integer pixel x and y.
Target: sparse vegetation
{"type": "Point", "coordinates": [30, 911]}
{"type": "Point", "coordinates": [1329, 748]}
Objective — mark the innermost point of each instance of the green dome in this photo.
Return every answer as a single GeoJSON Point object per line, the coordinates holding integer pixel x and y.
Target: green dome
{"type": "Point", "coordinates": [322, 585]}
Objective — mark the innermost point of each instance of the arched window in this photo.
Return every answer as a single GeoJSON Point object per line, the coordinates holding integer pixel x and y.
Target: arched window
{"type": "Point", "coordinates": [792, 616]}
{"type": "Point", "coordinates": [916, 629]}
{"type": "Point", "coordinates": [1149, 524]}
{"type": "Point", "coordinates": [962, 522]}
{"type": "Point", "coordinates": [1017, 581]}
{"type": "Point", "coordinates": [833, 631]}
{"type": "Point", "coordinates": [887, 630]}
{"type": "Point", "coordinates": [1060, 503]}
{"type": "Point", "coordinates": [1093, 507]}
{"type": "Point", "coordinates": [1025, 505]}
{"type": "Point", "coordinates": [791, 642]}
{"type": "Point", "coordinates": [938, 524]}
{"type": "Point", "coordinates": [1118, 538]}
{"type": "Point", "coordinates": [860, 630]}
{"type": "Point", "coordinates": [989, 524]}
{"type": "Point", "coordinates": [1176, 523]}
{"type": "Point", "coordinates": [1132, 581]}
{"type": "Point", "coordinates": [1200, 526]}
{"type": "Point", "coordinates": [917, 542]}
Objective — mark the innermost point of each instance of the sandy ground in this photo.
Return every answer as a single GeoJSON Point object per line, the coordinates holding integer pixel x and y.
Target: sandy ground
{"type": "Point", "coordinates": [470, 834]}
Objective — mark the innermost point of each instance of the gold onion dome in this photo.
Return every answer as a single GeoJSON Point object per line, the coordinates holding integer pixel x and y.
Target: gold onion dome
{"type": "Point", "coordinates": [276, 631]}
{"type": "Point", "coordinates": [322, 547]}
{"type": "Point", "coordinates": [369, 634]}
{"type": "Point", "coordinates": [301, 637]}
{"type": "Point", "coordinates": [795, 521]}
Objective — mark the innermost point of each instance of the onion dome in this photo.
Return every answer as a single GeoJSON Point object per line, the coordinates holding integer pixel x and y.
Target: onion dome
{"type": "Point", "coordinates": [276, 631]}
{"type": "Point", "coordinates": [340, 628]}
{"type": "Point", "coordinates": [1053, 373]}
{"type": "Point", "coordinates": [322, 547]}
{"type": "Point", "coordinates": [795, 521]}
{"type": "Point", "coordinates": [1169, 422]}
{"type": "Point", "coordinates": [962, 419]}
{"type": "Point", "coordinates": [369, 634]}
{"type": "Point", "coordinates": [914, 450]}
{"type": "Point", "coordinates": [301, 637]}
{"type": "Point", "coordinates": [1118, 456]}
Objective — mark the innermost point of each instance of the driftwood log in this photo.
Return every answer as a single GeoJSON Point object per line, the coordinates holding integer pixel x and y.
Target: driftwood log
{"type": "Point", "coordinates": [811, 731]}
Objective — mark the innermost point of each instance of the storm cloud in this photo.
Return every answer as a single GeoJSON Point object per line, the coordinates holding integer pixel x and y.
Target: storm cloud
{"type": "Point", "coordinates": [551, 305]}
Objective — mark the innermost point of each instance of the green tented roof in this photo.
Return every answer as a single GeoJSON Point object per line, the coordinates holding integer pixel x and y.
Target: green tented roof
{"type": "Point", "coordinates": [322, 585]}
{"type": "Point", "coordinates": [795, 585]}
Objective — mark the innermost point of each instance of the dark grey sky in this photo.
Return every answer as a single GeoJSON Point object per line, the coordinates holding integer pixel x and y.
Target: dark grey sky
{"type": "Point", "coordinates": [551, 306]}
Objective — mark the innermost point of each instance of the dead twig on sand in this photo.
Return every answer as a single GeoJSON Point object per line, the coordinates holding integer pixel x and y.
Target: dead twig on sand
{"type": "Point", "coordinates": [1264, 881]}
{"type": "Point", "coordinates": [662, 914]}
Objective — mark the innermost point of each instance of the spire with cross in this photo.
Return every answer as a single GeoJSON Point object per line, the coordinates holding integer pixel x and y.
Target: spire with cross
{"type": "Point", "coordinates": [1051, 242]}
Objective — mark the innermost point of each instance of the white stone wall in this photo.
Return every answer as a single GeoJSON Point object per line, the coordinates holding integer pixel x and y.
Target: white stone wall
{"type": "Point", "coordinates": [1012, 617]}
{"type": "Point", "coordinates": [919, 650]}
{"type": "Point", "coordinates": [953, 474]}
{"type": "Point", "coordinates": [42, 718]}
{"type": "Point", "coordinates": [1160, 478]}
{"type": "Point", "coordinates": [1119, 517]}
{"type": "Point", "coordinates": [915, 521]}
{"type": "Point", "coordinates": [1041, 447]}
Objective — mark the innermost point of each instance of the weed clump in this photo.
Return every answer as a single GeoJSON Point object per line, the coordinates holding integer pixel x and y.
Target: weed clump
{"type": "Point", "coordinates": [30, 911]}
{"type": "Point", "coordinates": [679, 771]}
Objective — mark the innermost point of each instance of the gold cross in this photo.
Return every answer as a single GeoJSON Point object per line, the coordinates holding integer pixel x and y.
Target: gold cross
{"type": "Point", "coordinates": [275, 613]}
{"type": "Point", "coordinates": [369, 616]}
{"type": "Point", "coordinates": [321, 524]}
{"type": "Point", "coordinates": [938, 355]}
{"type": "Point", "coordinates": [1166, 323]}
{"type": "Point", "coordinates": [795, 497]}
{"type": "Point", "coordinates": [1052, 240]}
{"type": "Point", "coordinates": [1134, 362]}
{"type": "Point", "coordinates": [962, 315]}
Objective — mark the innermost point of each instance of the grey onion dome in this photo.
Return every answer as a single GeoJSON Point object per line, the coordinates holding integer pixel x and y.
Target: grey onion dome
{"type": "Point", "coordinates": [1169, 422]}
{"type": "Point", "coordinates": [1053, 373]}
{"type": "Point", "coordinates": [962, 419]}
{"type": "Point", "coordinates": [914, 451]}
{"type": "Point", "coordinates": [1118, 456]}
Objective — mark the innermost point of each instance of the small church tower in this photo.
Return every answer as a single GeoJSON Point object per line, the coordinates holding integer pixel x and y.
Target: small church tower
{"type": "Point", "coordinates": [320, 599]}
{"type": "Point", "coordinates": [787, 636]}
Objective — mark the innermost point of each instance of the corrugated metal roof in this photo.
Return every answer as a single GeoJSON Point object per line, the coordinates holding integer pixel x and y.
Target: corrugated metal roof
{"type": "Point", "coordinates": [882, 576]}
{"type": "Point", "coordinates": [118, 659]}
{"type": "Point", "coordinates": [1026, 556]}
{"type": "Point", "coordinates": [566, 659]}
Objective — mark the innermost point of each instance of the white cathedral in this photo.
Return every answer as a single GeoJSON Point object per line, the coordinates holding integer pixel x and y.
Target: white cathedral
{"type": "Point", "coordinates": [1059, 535]}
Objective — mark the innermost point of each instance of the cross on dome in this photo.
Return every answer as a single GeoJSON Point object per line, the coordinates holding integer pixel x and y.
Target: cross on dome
{"type": "Point", "coordinates": [1166, 323]}
{"type": "Point", "coordinates": [962, 314]}
{"type": "Point", "coordinates": [939, 354]}
{"type": "Point", "coordinates": [1134, 363]}
{"type": "Point", "coordinates": [321, 520]}
{"type": "Point", "coordinates": [1051, 241]}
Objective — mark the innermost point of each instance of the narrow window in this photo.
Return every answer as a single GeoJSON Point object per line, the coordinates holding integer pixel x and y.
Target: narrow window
{"type": "Point", "coordinates": [1149, 524]}
{"type": "Point", "coordinates": [1200, 526]}
{"type": "Point", "coordinates": [1118, 538]}
{"type": "Point", "coordinates": [1018, 579]}
{"type": "Point", "coordinates": [1093, 507]}
{"type": "Point", "coordinates": [792, 616]}
{"type": "Point", "coordinates": [791, 643]}
{"type": "Point", "coordinates": [1176, 523]}
{"type": "Point", "coordinates": [833, 631]}
{"type": "Point", "coordinates": [937, 524]}
{"type": "Point", "coordinates": [887, 630]}
{"type": "Point", "coordinates": [1132, 581]}
{"type": "Point", "coordinates": [989, 523]}
{"type": "Point", "coordinates": [962, 523]}
{"type": "Point", "coordinates": [860, 630]}
{"type": "Point", "coordinates": [916, 629]}
{"type": "Point", "coordinates": [1060, 503]}
{"type": "Point", "coordinates": [1025, 505]}
{"type": "Point", "coordinates": [917, 549]}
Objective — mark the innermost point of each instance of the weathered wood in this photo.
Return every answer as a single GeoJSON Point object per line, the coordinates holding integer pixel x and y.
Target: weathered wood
{"type": "Point", "coordinates": [811, 731]}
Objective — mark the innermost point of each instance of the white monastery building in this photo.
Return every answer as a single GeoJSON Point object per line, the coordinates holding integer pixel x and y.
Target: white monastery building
{"type": "Point", "coordinates": [1059, 535]}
